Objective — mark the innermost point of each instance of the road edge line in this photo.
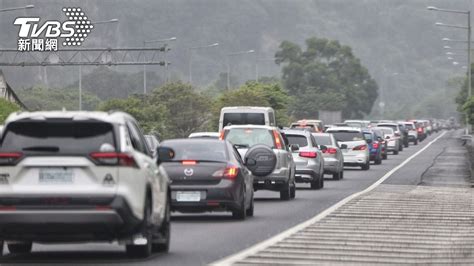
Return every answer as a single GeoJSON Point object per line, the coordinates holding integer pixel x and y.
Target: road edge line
{"type": "Point", "coordinates": [229, 260]}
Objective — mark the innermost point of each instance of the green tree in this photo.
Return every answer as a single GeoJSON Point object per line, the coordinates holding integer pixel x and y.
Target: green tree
{"type": "Point", "coordinates": [40, 98]}
{"type": "Point", "coordinates": [6, 108]}
{"type": "Point", "coordinates": [325, 76]}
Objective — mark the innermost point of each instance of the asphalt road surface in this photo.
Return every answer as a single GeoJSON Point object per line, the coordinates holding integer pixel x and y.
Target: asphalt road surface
{"type": "Point", "coordinates": [204, 238]}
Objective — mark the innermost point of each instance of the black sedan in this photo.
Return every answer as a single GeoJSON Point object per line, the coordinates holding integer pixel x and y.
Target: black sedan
{"type": "Point", "coordinates": [208, 175]}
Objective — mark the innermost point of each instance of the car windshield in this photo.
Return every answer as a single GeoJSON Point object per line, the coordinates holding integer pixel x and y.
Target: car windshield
{"type": "Point", "coordinates": [347, 135]}
{"type": "Point", "coordinates": [247, 137]}
{"type": "Point", "coordinates": [59, 137]}
{"type": "Point", "coordinates": [198, 150]}
{"type": "Point", "coordinates": [300, 140]}
{"type": "Point", "coordinates": [323, 139]}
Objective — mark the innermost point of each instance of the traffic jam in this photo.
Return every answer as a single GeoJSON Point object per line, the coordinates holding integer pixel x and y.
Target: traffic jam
{"type": "Point", "coordinates": [103, 180]}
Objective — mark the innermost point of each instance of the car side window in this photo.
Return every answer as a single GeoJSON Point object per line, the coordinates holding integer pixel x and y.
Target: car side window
{"type": "Point", "coordinates": [271, 117]}
{"type": "Point", "coordinates": [313, 141]}
{"type": "Point", "coordinates": [137, 141]}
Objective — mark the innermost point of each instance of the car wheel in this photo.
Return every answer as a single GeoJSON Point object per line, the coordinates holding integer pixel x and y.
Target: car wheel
{"type": "Point", "coordinates": [415, 142]}
{"type": "Point", "coordinates": [163, 242]}
{"type": "Point", "coordinates": [395, 152]}
{"type": "Point", "coordinates": [316, 183]}
{"type": "Point", "coordinates": [20, 248]}
{"type": "Point", "coordinates": [378, 159]}
{"type": "Point", "coordinates": [143, 251]}
{"type": "Point", "coordinates": [400, 148]}
{"type": "Point", "coordinates": [241, 213]}
{"type": "Point", "coordinates": [336, 176]}
{"type": "Point", "coordinates": [365, 166]}
{"type": "Point", "coordinates": [342, 174]}
{"type": "Point", "coordinates": [406, 145]}
{"type": "Point", "coordinates": [250, 210]}
{"type": "Point", "coordinates": [385, 156]}
{"type": "Point", "coordinates": [285, 193]}
{"type": "Point", "coordinates": [293, 191]}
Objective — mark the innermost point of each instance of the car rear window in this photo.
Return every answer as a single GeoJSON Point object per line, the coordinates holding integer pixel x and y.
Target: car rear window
{"type": "Point", "coordinates": [395, 128]}
{"type": "Point", "coordinates": [198, 150]}
{"type": "Point", "coordinates": [302, 141]}
{"type": "Point", "coordinates": [323, 140]}
{"type": "Point", "coordinates": [58, 137]}
{"type": "Point", "coordinates": [249, 136]}
{"type": "Point", "coordinates": [409, 126]}
{"type": "Point", "coordinates": [244, 119]}
{"type": "Point", "coordinates": [347, 136]}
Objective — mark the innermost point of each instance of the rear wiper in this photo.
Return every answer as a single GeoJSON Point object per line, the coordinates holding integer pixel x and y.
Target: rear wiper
{"type": "Point", "coordinates": [42, 148]}
{"type": "Point", "coordinates": [241, 146]}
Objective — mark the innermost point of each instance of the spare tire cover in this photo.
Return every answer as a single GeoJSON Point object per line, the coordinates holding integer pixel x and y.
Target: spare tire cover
{"type": "Point", "coordinates": [260, 160]}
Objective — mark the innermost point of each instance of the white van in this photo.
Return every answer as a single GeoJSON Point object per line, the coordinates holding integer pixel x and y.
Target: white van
{"type": "Point", "coordinates": [247, 115]}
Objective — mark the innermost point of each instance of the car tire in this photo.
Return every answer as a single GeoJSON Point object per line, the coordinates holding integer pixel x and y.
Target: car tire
{"type": "Point", "coordinates": [337, 176]}
{"type": "Point", "coordinates": [143, 251]}
{"type": "Point", "coordinates": [384, 156]}
{"type": "Point", "coordinates": [366, 166]}
{"type": "Point", "coordinates": [285, 193]}
{"type": "Point", "coordinates": [378, 159]}
{"type": "Point", "coordinates": [342, 174]}
{"type": "Point", "coordinates": [250, 210]}
{"type": "Point", "coordinates": [400, 148]}
{"type": "Point", "coordinates": [293, 191]}
{"type": "Point", "coordinates": [316, 183]}
{"type": "Point", "coordinates": [20, 248]}
{"type": "Point", "coordinates": [415, 142]}
{"type": "Point", "coordinates": [164, 232]}
{"type": "Point", "coordinates": [395, 152]}
{"type": "Point", "coordinates": [1, 248]}
{"type": "Point", "coordinates": [240, 213]}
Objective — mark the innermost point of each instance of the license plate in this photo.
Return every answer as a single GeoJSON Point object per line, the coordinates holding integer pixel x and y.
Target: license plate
{"type": "Point", "coordinates": [56, 176]}
{"type": "Point", "coordinates": [189, 196]}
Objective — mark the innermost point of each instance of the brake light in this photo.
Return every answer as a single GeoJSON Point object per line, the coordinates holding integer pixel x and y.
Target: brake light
{"type": "Point", "coordinates": [10, 158]}
{"type": "Point", "coordinates": [420, 129]}
{"type": "Point", "coordinates": [230, 172]}
{"type": "Point", "coordinates": [308, 154]}
{"type": "Point", "coordinates": [278, 143]}
{"type": "Point", "coordinates": [189, 162]}
{"type": "Point", "coordinates": [375, 145]}
{"type": "Point", "coordinates": [221, 135]}
{"type": "Point", "coordinates": [360, 148]}
{"type": "Point", "coordinates": [330, 151]}
{"type": "Point", "coordinates": [114, 158]}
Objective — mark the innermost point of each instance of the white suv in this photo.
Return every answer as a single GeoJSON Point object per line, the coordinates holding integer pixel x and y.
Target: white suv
{"type": "Point", "coordinates": [81, 176]}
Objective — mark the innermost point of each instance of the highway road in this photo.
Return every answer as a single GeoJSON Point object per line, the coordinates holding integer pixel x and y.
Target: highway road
{"type": "Point", "coordinates": [204, 238]}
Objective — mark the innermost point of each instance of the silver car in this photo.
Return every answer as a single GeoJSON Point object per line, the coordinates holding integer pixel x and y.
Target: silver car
{"type": "Point", "coordinates": [393, 141]}
{"type": "Point", "coordinates": [333, 158]}
{"type": "Point", "coordinates": [354, 147]}
{"type": "Point", "coordinates": [307, 156]}
{"type": "Point", "coordinates": [283, 177]}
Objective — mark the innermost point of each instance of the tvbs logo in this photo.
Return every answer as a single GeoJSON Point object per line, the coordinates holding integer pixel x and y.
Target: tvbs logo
{"type": "Point", "coordinates": [36, 36]}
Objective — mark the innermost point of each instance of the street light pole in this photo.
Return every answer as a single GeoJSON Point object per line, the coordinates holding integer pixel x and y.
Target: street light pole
{"type": "Point", "coordinates": [166, 59]}
{"type": "Point", "coordinates": [468, 28]}
{"type": "Point", "coordinates": [228, 63]}
{"type": "Point", "coordinates": [16, 8]}
{"type": "Point", "coordinates": [80, 58]}
{"type": "Point", "coordinates": [190, 73]}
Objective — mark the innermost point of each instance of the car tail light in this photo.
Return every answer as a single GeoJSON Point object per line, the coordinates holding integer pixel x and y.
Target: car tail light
{"type": "Point", "coordinates": [230, 172]}
{"type": "Point", "coordinates": [278, 143]}
{"type": "Point", "coordinates": [330, 151]}
{"type": "Point", "coordinates": [308, 154]}
{"type": "Point", "coordinates": [114, 158]}
{"type": "Point", "coordinates": [10, 158]}
{"type": "Point", "coordinates": [221, 135]}
{"type": "Point", "coordinates": [360, 148]}
{"type": "Point", "coordinates": [420, 130]}
{"type": "Point", "coordinates": [375, 145]}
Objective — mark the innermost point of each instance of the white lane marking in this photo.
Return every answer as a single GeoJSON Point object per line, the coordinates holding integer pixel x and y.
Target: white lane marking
{"type": "Point", "coordinates": [266, 243]}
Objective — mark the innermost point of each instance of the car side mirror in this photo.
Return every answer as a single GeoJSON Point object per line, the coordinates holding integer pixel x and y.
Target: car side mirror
{"type": "Point", "coordinates": [368, 141]}
{"type": "Point", "coordinates": [323, 148]}
{"type": "Point", "coordinates": [343, 146]}
{"type": "Point", "coordinates": [164, 154]}
{"type": "Point", "coordinates": [294, 147]}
